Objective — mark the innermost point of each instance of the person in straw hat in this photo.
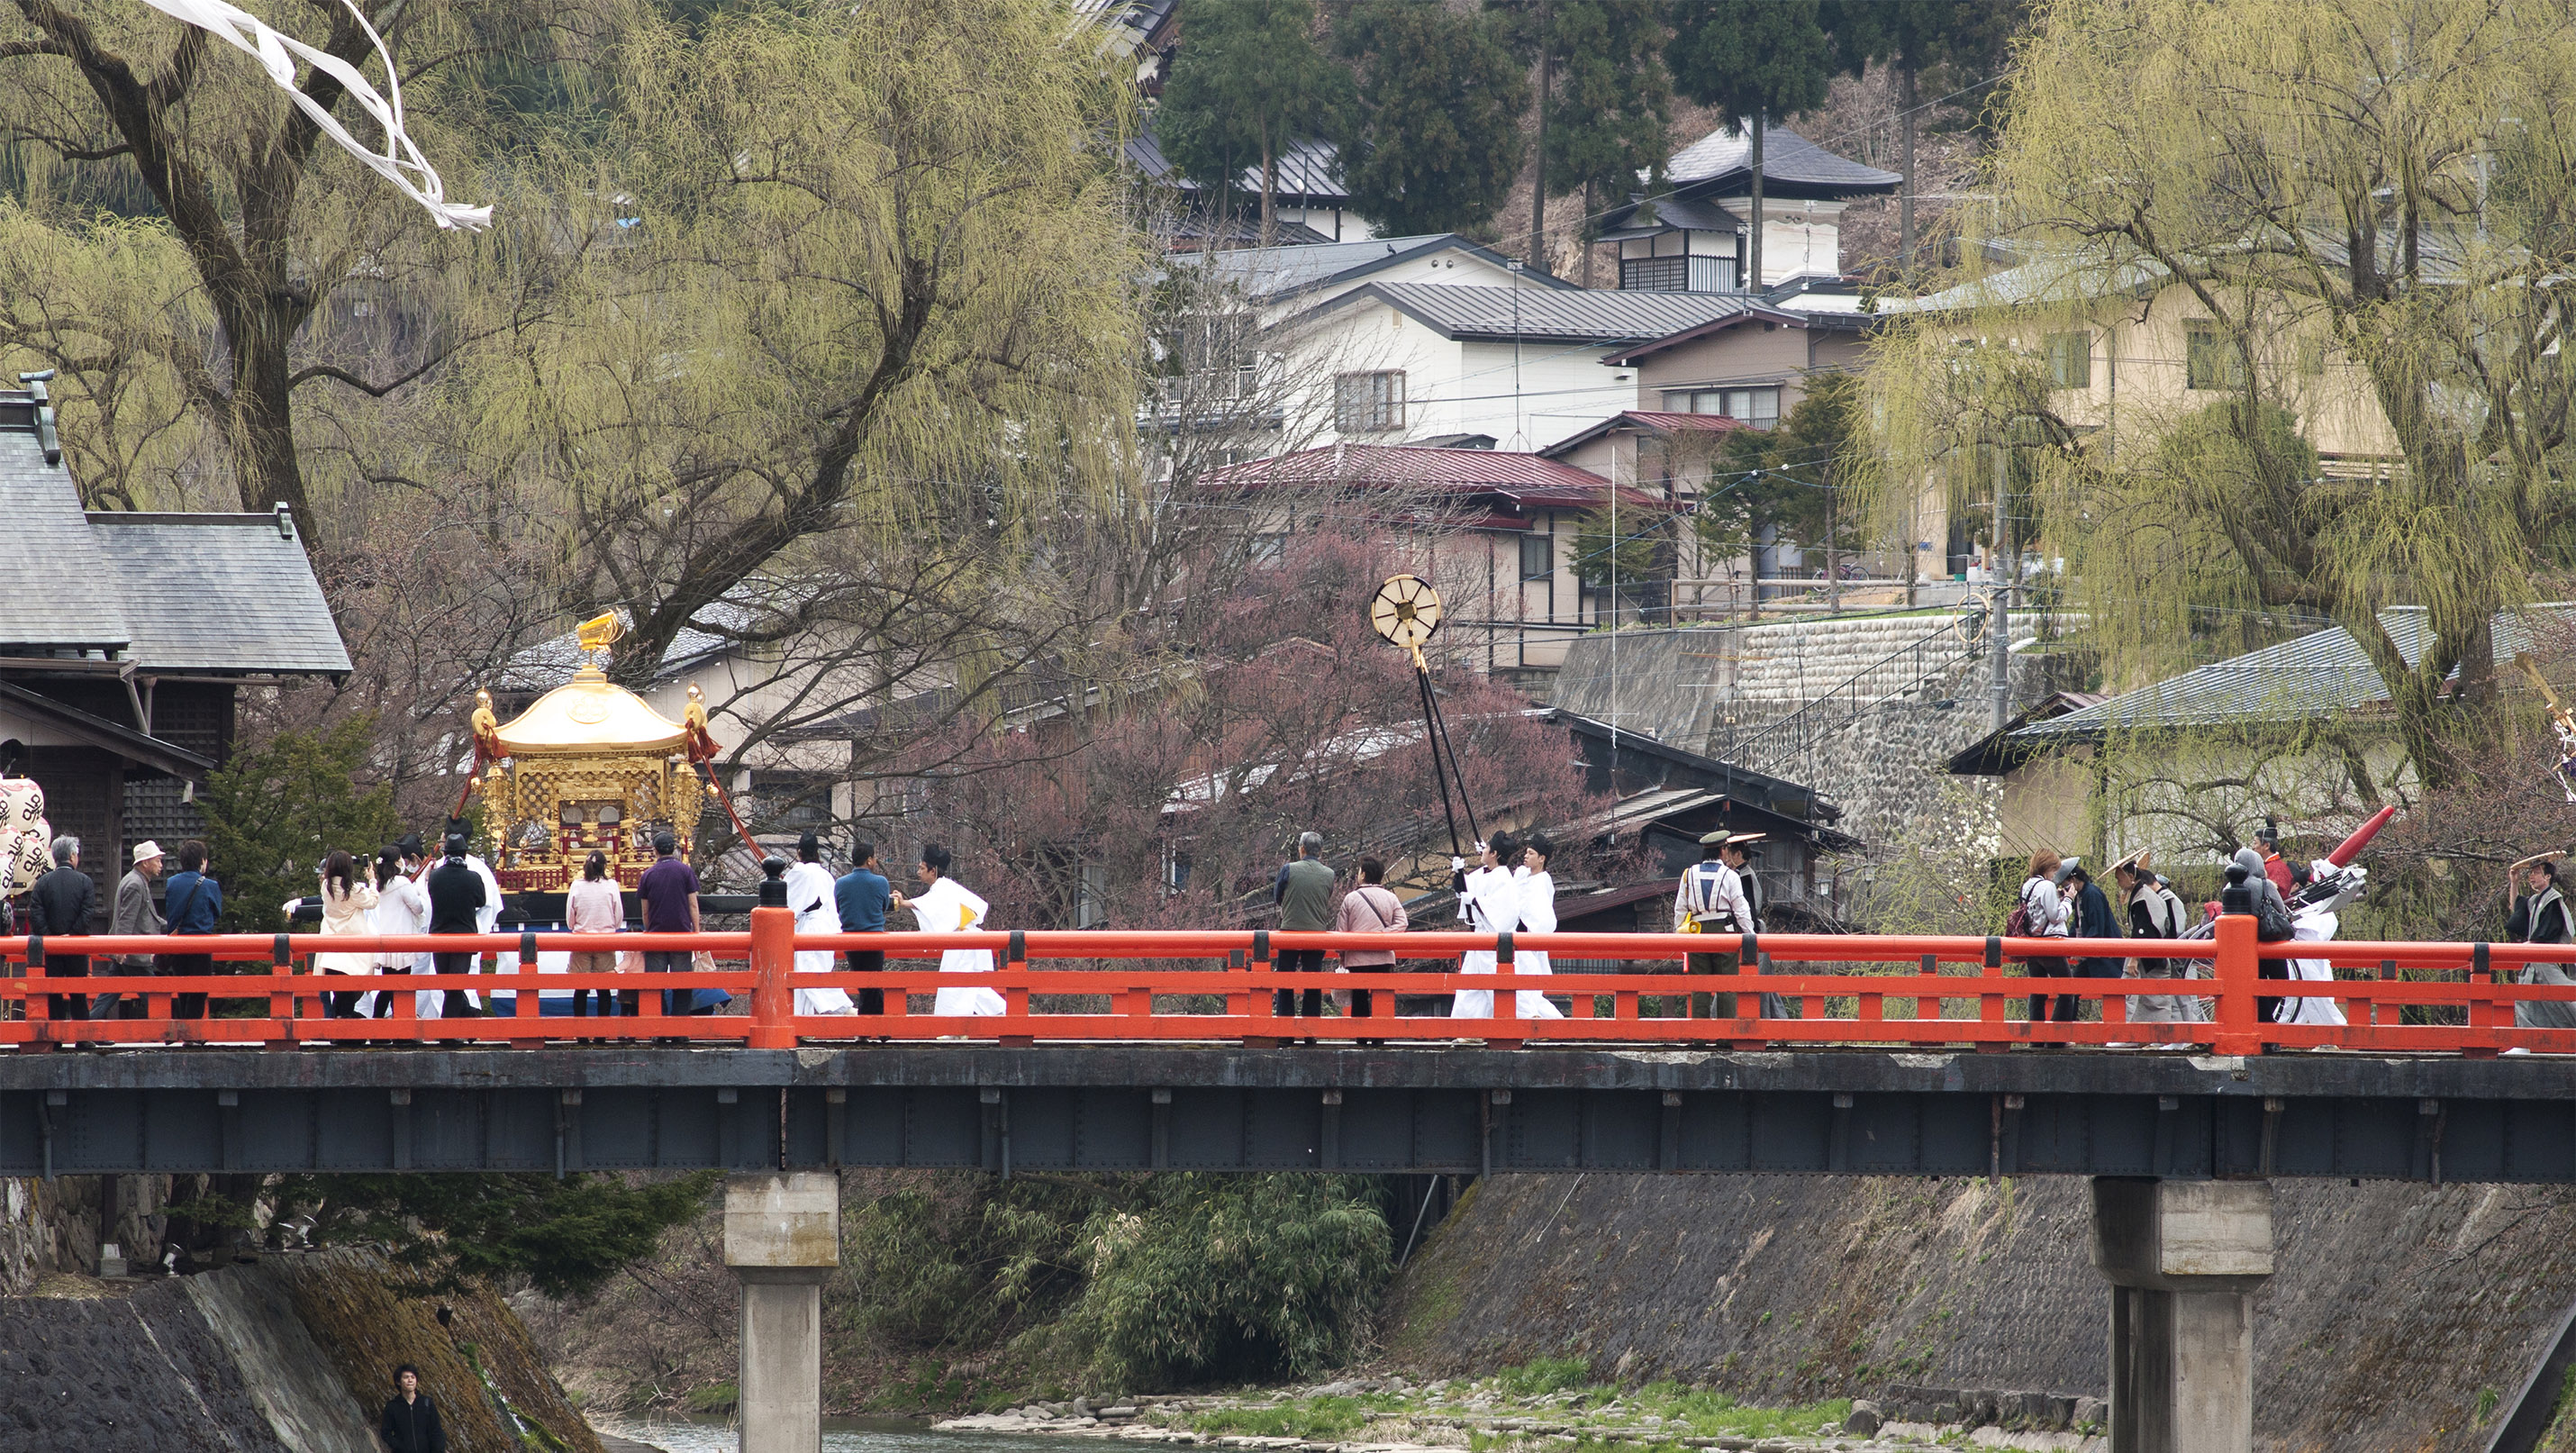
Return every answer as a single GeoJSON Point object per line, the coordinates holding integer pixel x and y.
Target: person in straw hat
{"type": "Point", "coordinates": [134, 914]}
{"type": "Point", "coordinates": [2540, 916]}
{"type": "Point", "coordinates": [2155, 912]}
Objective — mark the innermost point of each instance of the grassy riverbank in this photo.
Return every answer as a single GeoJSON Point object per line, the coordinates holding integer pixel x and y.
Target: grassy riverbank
{"type": "Point", "coordinates": [1548, 1403]}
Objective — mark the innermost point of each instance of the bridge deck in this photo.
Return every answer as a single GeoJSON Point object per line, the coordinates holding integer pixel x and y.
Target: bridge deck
{"type": "Point", "coordinates": [1141, 1106]}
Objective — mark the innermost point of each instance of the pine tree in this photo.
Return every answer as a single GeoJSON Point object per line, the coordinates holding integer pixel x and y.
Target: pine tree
{"type": "Point", "coordinates": [1752, 59]}
{"type": "Point", "coordinates": [1965, 40]}
{"type": "Point", "coordinates": [1249, 81]}
{"type": "Point", "coordinates": [1604, 99]}
{"type": "Point", "coordinates": [1436, 137]}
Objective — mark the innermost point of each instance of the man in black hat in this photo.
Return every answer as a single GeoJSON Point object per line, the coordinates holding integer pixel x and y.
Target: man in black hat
{"type": "Point", "coordinates": [1711, 901]}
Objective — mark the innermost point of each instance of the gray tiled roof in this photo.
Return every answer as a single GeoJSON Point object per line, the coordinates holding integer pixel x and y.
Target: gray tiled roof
{"type": "Point", "coordinates": [1787, 158]}
{"type": "Point", "coordinates": [2316, 675]}
{"type": "Point", "coordinates": [56, 588]}
{"type": "Point", "coordinates": [1578, 316]}
{"type": "Point", "coordinates": [218, 593]}
{"type": "Point", "coordinates": [1277, 272]}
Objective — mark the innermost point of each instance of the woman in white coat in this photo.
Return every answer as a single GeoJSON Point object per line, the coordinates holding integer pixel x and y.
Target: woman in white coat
{"type": "Point", "coordinates": [348, 901]}
{"type": "Point", "coordinates": [401, 908]}
{"type": "Point", "coordinates": [1490, 899]}
{"type": "Point", "coordinates": [809, 892]}
{"type": "Point", "coordinates": [945, 905]}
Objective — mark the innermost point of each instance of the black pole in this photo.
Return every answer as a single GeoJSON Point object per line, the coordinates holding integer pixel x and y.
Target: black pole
{"type": "Point", "coordinates": [1431, 733]}
{"type": "Point", "coordinates": [1445, 743]}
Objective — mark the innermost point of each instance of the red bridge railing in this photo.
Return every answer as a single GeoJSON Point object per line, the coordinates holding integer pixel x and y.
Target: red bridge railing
{"type": "Point", "coordinates": [1848, 990]}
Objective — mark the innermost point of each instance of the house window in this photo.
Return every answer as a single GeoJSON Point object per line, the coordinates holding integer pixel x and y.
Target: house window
{"type": "Point", "coordinates": [1369, 403]}
{"type": "Point", "coordinates": [2070, 360]}
{"type": "Point", "coordinates": [1538, 556]}
{"type": "Point", "coordinates": [1759, 407]}
{"type": "Point", "coordinates": [2209, 361]}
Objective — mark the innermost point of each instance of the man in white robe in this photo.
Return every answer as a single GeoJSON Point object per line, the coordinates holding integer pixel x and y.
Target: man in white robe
{"type": "Point", "coordinates": [809, 892]}
{"type": "Point", "coordinates": [946, 906]}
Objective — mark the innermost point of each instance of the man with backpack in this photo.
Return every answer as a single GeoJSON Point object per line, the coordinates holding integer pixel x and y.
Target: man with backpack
{"type": "Point", "coordinates": [2272, 922]}
{"type": "Point", "coordinates": [1711, 900]}
{"type": "Point", "coordinates": [2042, 912]}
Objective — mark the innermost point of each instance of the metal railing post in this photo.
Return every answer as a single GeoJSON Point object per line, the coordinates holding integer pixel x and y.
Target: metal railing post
{"type": "Point", "coordinates": [773, 958]}
{"type": "Point", "coordinates": [2238, 971]}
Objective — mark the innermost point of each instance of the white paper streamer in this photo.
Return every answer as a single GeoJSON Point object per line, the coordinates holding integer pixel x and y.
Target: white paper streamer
{"type": "Point", "coordinates": [400, 162]}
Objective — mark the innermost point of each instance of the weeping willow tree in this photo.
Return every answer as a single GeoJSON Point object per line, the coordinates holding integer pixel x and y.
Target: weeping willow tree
{"type": "Point", "coordinates": [212, 278]}
{"type": "Point", "coordinates": [2223, 232]}
{"type": "Point", "coordinates": [847, 271]}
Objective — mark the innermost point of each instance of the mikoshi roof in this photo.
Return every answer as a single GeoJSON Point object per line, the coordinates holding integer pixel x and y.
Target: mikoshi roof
{"type": "Point", "coordinates": [590, 714]}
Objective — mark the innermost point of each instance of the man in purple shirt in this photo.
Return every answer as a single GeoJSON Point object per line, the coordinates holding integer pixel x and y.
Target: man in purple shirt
{"type": "Point", "coordinates": [669, 890]}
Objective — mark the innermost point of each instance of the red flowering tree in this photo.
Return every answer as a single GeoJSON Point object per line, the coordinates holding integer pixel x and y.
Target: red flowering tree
{"type": "Point", "coordinates": [1166, 790]}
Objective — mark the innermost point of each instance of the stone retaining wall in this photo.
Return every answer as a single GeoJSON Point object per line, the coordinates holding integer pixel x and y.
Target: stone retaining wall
{"type": "Point", "coordinates": [2403, 1316]}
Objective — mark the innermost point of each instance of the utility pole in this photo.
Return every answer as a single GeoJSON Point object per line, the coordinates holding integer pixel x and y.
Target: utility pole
{"type": "Point", "coordinates": [2000, 627]}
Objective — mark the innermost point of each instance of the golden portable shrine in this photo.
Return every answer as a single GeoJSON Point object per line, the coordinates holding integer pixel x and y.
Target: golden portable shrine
{"type": "Point", "coordinates": [589, 767]}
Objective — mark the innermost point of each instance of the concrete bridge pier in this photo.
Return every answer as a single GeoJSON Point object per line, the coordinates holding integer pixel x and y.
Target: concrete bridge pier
{"type": "Point", "coordinates": [782, 1238]}
{"type": "Point", "coordinates": [2184, 1259]}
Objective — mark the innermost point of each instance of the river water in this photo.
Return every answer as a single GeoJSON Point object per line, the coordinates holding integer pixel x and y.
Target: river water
{"type": "Point", "coordinates": [840, 1435]}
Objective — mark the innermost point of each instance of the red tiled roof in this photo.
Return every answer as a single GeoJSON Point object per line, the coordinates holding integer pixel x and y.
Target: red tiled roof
{"type": "Point", "coordinates": [1525, 479]}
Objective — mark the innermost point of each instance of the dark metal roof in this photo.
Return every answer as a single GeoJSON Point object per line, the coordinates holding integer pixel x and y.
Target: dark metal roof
{"type": "Point", "coordinates": [219, 593]}
{"type": "Point", "coordinates": [1622, 739]}
{"type": "Point", "coordinates": [1580, 316]}
{"type": "Point", "coordinates": [1790, 162]}
{"type": "Point", "coordinates": [1720, 164]}
{"type": "Point", "coordinates": [56, 586]}
{"type": "Point", "coordinates": [2317, 675]}
{"type": "Point", "coordinates": [1280, 272]}
{"type": "Point", "coordinates": [1753, 311]}
{"type": "Point", "coordinates": [1670, 213]}
{"type": "Point", "coordinates": [116, 737]}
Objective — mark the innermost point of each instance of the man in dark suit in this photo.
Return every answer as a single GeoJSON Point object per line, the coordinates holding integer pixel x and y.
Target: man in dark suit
{"type": "Point", "coordinates": [60, 905]}
{"type": "Point", "coordinates": [455, 892]}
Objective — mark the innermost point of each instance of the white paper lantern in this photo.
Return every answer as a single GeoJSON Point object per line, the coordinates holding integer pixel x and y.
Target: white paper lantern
{"type": "Point", "coordinates": [22, 803]}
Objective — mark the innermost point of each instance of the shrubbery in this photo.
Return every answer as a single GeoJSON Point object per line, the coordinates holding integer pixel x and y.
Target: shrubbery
{"type": "Point", "coordinates": [1146, 1281]}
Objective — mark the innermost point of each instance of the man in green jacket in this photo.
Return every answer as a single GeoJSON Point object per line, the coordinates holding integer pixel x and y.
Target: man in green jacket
{"type": "Point", "coordinates": [1304, 893]}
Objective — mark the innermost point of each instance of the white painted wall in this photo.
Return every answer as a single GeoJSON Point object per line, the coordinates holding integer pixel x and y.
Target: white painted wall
{"type": "Point", "coordinates": [1526, 397]}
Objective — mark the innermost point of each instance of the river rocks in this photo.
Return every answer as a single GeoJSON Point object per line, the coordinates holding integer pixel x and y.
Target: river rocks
{"type": "Point", "coordinates": [1865, 1418]}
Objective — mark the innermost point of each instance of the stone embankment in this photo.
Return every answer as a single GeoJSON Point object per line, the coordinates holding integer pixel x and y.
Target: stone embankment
{"type": "Point", "coordinates": [2403, 1316]}
{"type": "Point", "coordinates": [291, 1352]}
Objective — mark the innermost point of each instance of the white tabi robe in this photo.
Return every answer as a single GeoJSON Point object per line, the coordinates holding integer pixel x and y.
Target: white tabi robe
{"type": "Point", "coordinates": [1493, 905]}
{"type": "Point", "coordinates": [948, 906]}
{"type": "Point", "coordinates": [401, 908]}
{"type": "Point", "coordinates": [2312, 926]}
{"type": "Point", "coordinates": [809, 892]}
